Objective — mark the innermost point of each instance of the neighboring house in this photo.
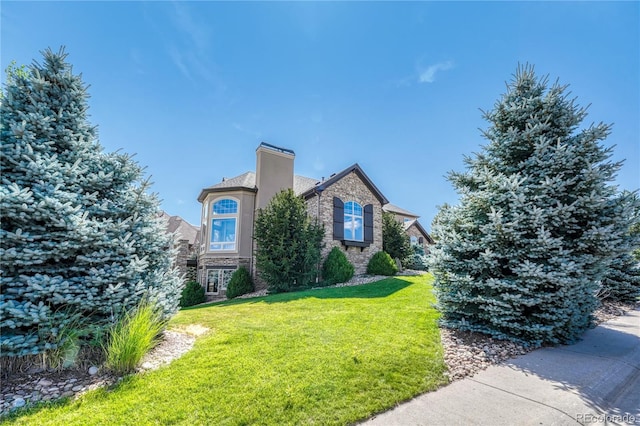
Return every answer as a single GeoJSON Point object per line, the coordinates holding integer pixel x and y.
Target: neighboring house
{"type": "Point", "coordinates": [348, 203]}
{"type": "Point", "coordinates": [417, 234]}
{"type": "Point", "coordinates": [187, 242]}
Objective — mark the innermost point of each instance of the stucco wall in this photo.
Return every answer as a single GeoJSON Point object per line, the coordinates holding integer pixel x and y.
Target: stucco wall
{"type": "Point", "coordinates": [274, 172]}
{"type": "Point", "coordinates": [243, 254]}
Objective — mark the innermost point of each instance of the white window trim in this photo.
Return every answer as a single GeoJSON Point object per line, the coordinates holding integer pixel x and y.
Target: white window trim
{"type": "Point", "coordinates": [219, 269]}
{"type": "Point", "coordinates": [213, 217]}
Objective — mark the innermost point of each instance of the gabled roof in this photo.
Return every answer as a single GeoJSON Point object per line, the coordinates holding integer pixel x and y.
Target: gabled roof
{"type": "Point", "coordinates": [418, 225]}
{"type": "Point", "coordinates": [392, 208]}
{"type": "Point", "coordinates": [184, 229]}
{"type": "Point", "coordinates": [321, 186]}
{"type": "Point", "coordinates": [247, 182]}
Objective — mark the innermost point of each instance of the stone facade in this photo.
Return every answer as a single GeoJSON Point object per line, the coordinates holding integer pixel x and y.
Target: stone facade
{"type": "Point", "coordinates": [182, 256]}
{"type": "Point", "coordinates": [230, 262]}
{"type": "Point", "coordinates": [350, 188]}
{"type": "Point", "coordinates": [421, 236]}
{"type": "Point", "coordinates": [413, 231]}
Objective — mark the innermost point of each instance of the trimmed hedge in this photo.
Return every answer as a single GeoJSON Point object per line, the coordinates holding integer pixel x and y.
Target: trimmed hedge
{"type": "Point", "coordinates": [336, 267]}
{"type": "Point", "coordinates": [382, 264]}
{"type": "Point", "coordinates": [192, 294]}
{"type": "Point", "coordinates": [240, 283]}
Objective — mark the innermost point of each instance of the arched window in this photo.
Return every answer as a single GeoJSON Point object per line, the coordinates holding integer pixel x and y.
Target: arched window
{"type": "Point", "coordinates": [414, 239]}
{"type": "Point", "coordinates": [353, 221]}
{"type": "Point", "coordinates": [224, 225]}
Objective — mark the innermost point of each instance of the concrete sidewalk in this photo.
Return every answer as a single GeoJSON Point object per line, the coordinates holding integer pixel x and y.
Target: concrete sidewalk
{"type": "Point", "coordinates": [595, 381]}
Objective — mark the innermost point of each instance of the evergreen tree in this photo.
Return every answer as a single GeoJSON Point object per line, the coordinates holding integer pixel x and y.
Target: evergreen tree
{"type": "Point", "coordinates": [523, 254]}
{"type": "Point", "coordinates": [288, 243]}
{"type": "Point", "coordinates": [394, 240]}
{"type": "Point", "coordinates": [418, 259]}
{"type": "Point", "coordinates": [622, 282]}
{"type": "Point", "coordinates": [80, 235]}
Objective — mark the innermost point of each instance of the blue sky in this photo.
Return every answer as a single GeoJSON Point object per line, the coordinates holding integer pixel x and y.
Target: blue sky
{"type": "Point", "coordinates": [192, 88]}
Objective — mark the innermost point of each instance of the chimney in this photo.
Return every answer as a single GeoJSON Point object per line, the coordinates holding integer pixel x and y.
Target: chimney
{"type": "Point", "coordinates": [274, 172]}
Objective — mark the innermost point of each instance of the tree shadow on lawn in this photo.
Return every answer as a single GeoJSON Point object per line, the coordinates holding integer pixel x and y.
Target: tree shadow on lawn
{"type": "Point", "coordinates": [375, 290]}
{"type": "Point", "coordinates": [603, 369]}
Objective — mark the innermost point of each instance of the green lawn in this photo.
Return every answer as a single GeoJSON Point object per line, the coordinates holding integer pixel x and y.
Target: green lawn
{"type": "Point", "coordinates": [330, 356]}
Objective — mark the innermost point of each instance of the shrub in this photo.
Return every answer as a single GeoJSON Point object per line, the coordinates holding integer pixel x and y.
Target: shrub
{"type": "Point", "coordinates": [336, 267]}
{"type": "Point", "coordinates": [240, 283]}
{"type": "Point", "coordinates": [133, 335]}
{"type": "Point", "coordinates": [192, 294]}
{"type": "Point", "coordinates": [382, 264]}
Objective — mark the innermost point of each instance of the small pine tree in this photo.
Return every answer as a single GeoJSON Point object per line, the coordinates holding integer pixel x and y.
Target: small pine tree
{"type": "Point", "coordinates": [80, 235]}
{"type": "Point", "coordinates": [240, 283]}
{"type": "Point", "coordinates": [382, 264]}
{"type": "Point", "coordinates": [418, 259]}
{"type": "Point", "coordinates": [521, 257]}
{"type": "Point", "coordinates": [395, 240]}
{"type": "Point", "coordinates": [336, 267]}
{"type": "Point", "coordinates": [288, 244]}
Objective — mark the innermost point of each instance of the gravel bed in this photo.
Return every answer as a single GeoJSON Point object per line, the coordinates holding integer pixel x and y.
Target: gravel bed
{"type": "Point", "coordinates": [467, 353]}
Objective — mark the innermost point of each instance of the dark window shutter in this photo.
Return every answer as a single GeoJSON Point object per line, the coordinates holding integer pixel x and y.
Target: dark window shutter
{"type": "Point", "coordinates": [421, 240]}
{"type": "Point", "coordinates": [338, 219]}
{"type": "Point", "coordinates": [368, 223]}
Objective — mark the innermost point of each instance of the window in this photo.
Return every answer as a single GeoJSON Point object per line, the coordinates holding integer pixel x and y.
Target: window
{"type": "Point", "coordinates": [414, 239]}
{"type": "Point", "coordinates": [353, 221]}
{"type": "Point", "coordinates": [352, 224]}
{"type": "Point", "coordinates": [225, 206]}
{"type": "Point", "coordinates": [406, 219]}
{"type": "Point", "coordinates": [224, 225]}
{"type": "Point", "coordinates": [218, 279]}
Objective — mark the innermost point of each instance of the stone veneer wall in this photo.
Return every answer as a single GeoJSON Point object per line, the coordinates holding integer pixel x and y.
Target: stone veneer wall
{"type": "Point", "coordinates": [414, 232]}
{"type": "Point", "coordinates": [205, 262]}
{"type": "Point", "coordinates": [182, 256]}
{"type": "Point", "coordinates": [349, 188]}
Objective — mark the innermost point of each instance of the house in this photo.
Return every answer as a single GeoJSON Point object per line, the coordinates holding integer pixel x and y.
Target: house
{"type": "Point", "coordinates": [415, 230]}
{"type": "Point", "coordinates": [348, 203]}
{"type": "Point", "coordinates": [187, 242]}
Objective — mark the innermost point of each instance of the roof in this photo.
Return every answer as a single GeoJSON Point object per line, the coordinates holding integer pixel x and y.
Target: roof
{"type": "Point", "coordinates": [321, 186]}
{"type": "Point", "coordinates": [183, 229]}
{"type": "Point", "coordinates": [392, 208]}
{"type": "Point", "coordinates": [418, 225]}
{"type": "Point", "coordinates": [247, 182]}
{"type": "Point", "coordinates": [302, 184]}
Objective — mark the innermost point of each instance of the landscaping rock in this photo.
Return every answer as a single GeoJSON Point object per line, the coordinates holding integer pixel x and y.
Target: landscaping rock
{"type": "Point", "coordinates": [21, 389]}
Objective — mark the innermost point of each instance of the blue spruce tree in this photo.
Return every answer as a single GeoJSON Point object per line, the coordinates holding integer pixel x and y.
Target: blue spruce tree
{"type": "Point", "coordinates": [523, 255]}
{"type": "Point", "coordinates": [80, 235]}
{"type": "Point", "coordinates": [622, 281]}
